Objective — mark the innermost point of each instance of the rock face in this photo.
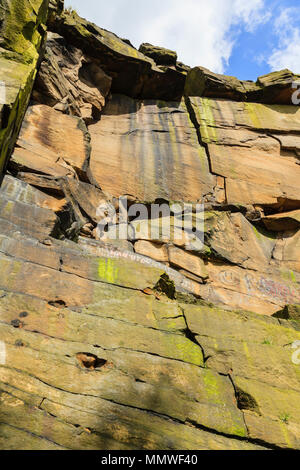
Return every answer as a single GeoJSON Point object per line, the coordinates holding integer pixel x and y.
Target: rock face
{"type": "Point", "coordinates": [243, 147]}
{"type": "Point", "coordinates": [172, 336]}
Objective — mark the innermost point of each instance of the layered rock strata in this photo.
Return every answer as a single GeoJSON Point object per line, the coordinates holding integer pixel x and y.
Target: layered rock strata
{"type": "Point", "coordinates": [149, 341]}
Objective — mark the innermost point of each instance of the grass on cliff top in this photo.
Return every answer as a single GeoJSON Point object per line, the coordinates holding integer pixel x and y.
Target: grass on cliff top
{"type": "Point", "coordinates": [71, 11]}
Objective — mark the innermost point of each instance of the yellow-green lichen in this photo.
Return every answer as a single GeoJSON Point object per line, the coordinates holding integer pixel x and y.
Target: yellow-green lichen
{"type": "Point", "coordinates": [285, 433]}
{"type": "Point", "coordinates": [212, 386]}
{"type": "Point", "coordinates": [251, 109]}
{"type": "Point", "coordinates": [247, 353]}
{"type": "Point", "coordinates": [289, 276]}
{"type": "Point", "coordinates": [187, 350]}
{"type": "Point", "coordinates": [207, 121]}
{"type": "Point", "coordinates": [256, 232]}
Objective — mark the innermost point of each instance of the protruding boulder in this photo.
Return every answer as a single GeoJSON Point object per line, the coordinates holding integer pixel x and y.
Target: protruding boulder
{"type": "Point", "coordinates": [160, 55]}
{"type": "Point", "coordinates": [283, 221]}
{"type": "Point", "coordinates": [132, 72]}
{"type": "Point", "coordinates": [273, 88]}
{"type": "Point", "coordinates": [202, 82]}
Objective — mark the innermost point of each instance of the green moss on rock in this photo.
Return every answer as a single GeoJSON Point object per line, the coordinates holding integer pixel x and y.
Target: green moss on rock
{"type": "Point", "coordinates": [22, 30]}
{"type": "Point", "coordinates": [23, 27]}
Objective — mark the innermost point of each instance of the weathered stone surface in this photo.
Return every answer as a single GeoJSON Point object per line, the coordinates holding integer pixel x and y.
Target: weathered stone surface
{"type": "Point", "coordinates": [26, 209]}
{"type": "Point", "coordinates": [43, 182]}
{"type": "Point", "coordinates": [129, 379]}
{"type": "Point", "coordinates": [21, 27]}
{"type": "Point", "coordinates": [84, 196]}
{"type": "Point", "coordinates": [154, 152]}
{"type": "Point", "coordinates": [143, 326]}
{"type": "Point", "coordinates": [51, 143]}
{"type": "Point", "coordinates": [161, 435]}
{"type": "Point", "coordinates": [240, 150]}
{"type": "Point", "coordinates": [273, 88]}
{"type": "Point", "coordinates": [71, 82]}
{"type": "Point", "coordinates": [263, 292]}
{"type": "Point", "coordinates": [19, 191]}
{"type": "Point", "coordinates": [160, 230]}
{"type": "Point", "coordinates": [246, 267]}
{"type": "Point", "coordinates": [233, 238]}
{"type": "Point", "coordinates": [187, 261]}
{"type": "Point", "coordinates": [276, 87]}
{"type": "Point", "coordinates": [153, 250]}
{"type": "Point", "coordinates": [290, 142]}
{"type": "Point", "coordinates": [256, 352]}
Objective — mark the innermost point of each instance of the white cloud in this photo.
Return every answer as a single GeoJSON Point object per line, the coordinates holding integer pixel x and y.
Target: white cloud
{"type": "Point", "coordinates": [203, 32]}
{"type": "Point", "coordinates": [287, 53]}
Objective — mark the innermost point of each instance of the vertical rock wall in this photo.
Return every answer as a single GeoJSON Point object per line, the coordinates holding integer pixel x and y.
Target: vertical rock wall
{"type": "Point", "coordinates": [22, 32]}
{"type": "Point", "coordinates": [148, 342]}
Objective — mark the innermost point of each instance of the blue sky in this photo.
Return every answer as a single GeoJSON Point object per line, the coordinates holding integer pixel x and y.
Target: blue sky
{"type": "Point", "coordinates": [245, 38]}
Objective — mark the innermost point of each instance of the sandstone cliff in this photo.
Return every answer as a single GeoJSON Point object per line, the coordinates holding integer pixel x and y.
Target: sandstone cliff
{"type": "Point", "coordinates": [150, 342]}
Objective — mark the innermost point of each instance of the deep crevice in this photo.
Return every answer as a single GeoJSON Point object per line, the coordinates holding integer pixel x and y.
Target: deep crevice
{"type": "Point", "coordinates": [196, 125]}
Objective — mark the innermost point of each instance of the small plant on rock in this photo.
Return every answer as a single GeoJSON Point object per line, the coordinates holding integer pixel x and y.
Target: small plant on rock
{"type": "Point", "coordinates": [70, 11]}
{"type": "Point", "coordinates": [285, 418]}
{"type": "Point", "coordinates": [267, 341]}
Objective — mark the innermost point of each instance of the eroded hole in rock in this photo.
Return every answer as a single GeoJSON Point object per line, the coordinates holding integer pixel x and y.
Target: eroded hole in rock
{"type": "Point", "coordinates": [90, 361]}
{"type": "Point", "coordinates": [17, 323]}
{"type": "Point", "coordinates": [23, 314]}
{"type": "Point", "coordinates": [166, 286]}
{"type": "Point", "coordinates": [57, 303]}
{"type": "Point", "coordinates": [283, 205]}
{"type": "Point", "coordinates": [245, 401]}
